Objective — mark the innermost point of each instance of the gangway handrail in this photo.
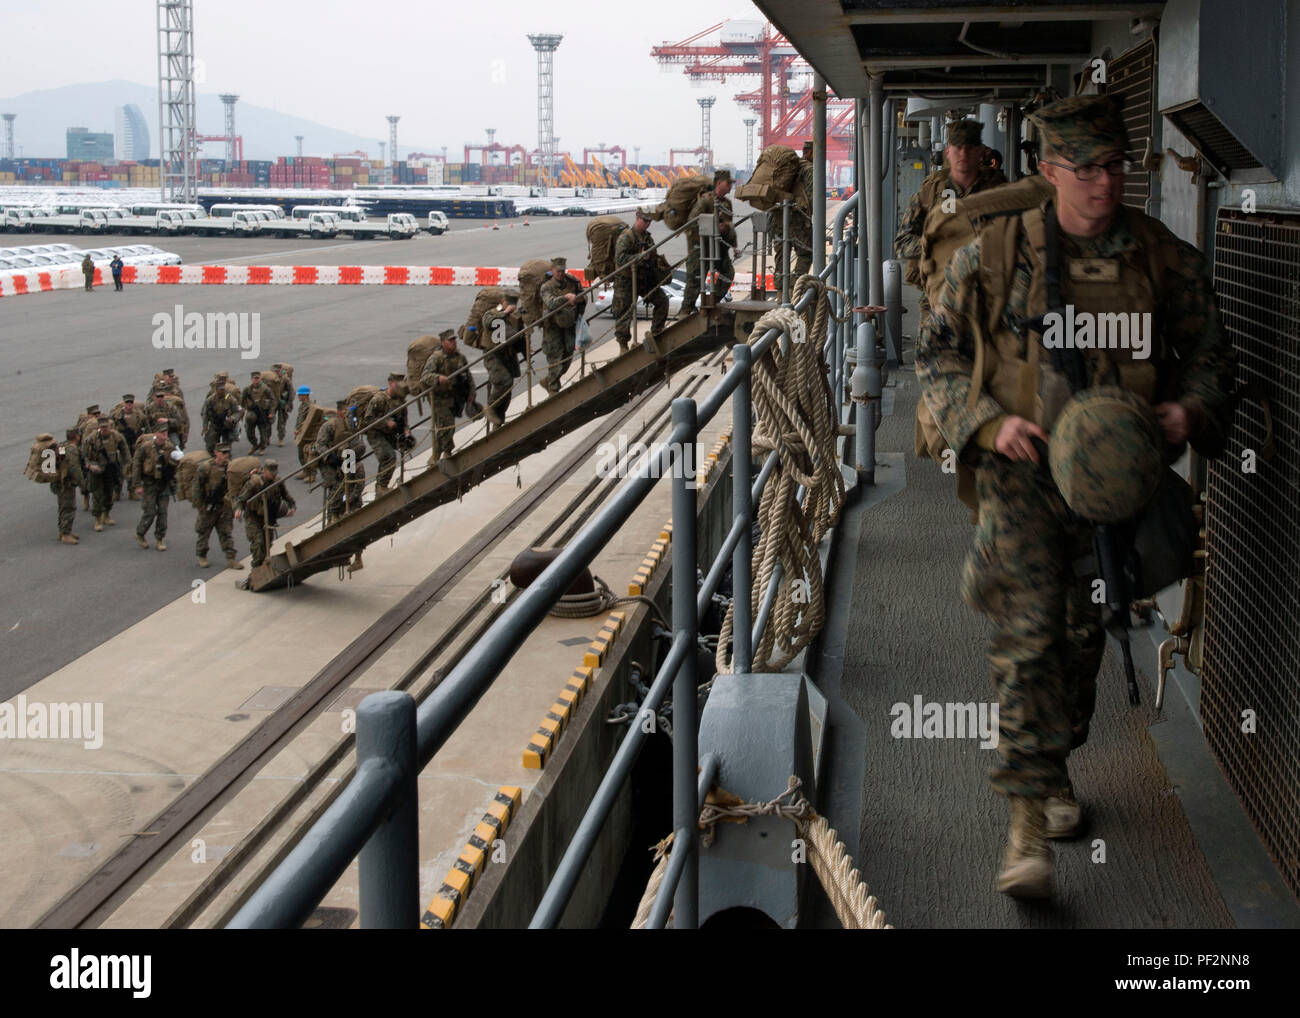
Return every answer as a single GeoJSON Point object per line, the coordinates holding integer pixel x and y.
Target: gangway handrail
{"type": "Point", "coordinates": [368, 813]}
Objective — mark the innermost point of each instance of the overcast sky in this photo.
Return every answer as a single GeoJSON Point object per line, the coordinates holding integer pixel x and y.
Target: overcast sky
{"type": "Point", "coordinates": [450, 70]}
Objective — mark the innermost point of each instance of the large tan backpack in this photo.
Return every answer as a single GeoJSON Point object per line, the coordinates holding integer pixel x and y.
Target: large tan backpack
{"type": "Point", "coordinates": [237, 472]}
{"type": "Point", "coordinates": [602, 235]}
{"type": "Point", "coordinates": [773, 180]}
{"type": "Point", "coordinates": [532, 274]}
{"type": "Point", "coordinates": [417, 353]}
{"type": "Point", "coordinates": [185, 471]}
{"type": "Point", "coordinates": [354, 406]}
{"type": "Point", "coordinates": [944, 234]}
{"type": "Point", "coordinates": [484, 301]}
{"type": "Point", "coordinates": [305, 437]}
{"type": "Point", "coordinates": [681, 198]}
{"type": "Point", "coordinates": [37, 460]}
{"type": "Point", "coordinates": [166, 383]}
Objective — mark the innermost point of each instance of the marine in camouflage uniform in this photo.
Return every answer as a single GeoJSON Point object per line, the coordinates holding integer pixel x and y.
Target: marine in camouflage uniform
{"type": "Point", "coordinates": [633, 248]}
{"type": "Point", "coordinates": [800, 224]}
{"type": "Point", "coordinates": [559, 330]}
{"type": "Point", "coordinates": [178, 424]}
{"type": "Point", "coordinates": [65, 488]}
{"type": "Point", "coordinates": [710, 202]}
{"type": "Point", "coordinates": [439, 380]}
{"type": "Point", "coordinates": [390, 434]}
{"type": "Point", "coordinates": [1047, 643]}
{"type": "Point", "coordinates": [501, 358]}
{"type": "Point", "coordinates": [261, 503]}
{"type": "Point", "coordinates": [131, 421]}
{"type": "Point", "coordinates": [283, 405]}
{"type": "Point", "coordinates": [304, 408]}
{"type": "Point", "coordinates": [104, 457]}
{"type": "Point", "coordinates": [153, 478]}
{"type": "Point", "coordinates": [220, 415]}
{"type": "Point", "coordinates": [85, 425]}
{"type": "Point", "coordinates": [964, 145]}
{"type": "Point", "coordinates": [212, 501]}
{"type": "Point", "coordinates": [258, 402]}
{"type": "Point", "coordinates": [342, 487]}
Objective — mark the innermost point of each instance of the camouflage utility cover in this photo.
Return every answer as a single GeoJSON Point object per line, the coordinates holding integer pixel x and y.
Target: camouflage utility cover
{"type": "Point", "coordinates": [1082, 128]}
{"type": "Point", "coordinates": [1106, 454]}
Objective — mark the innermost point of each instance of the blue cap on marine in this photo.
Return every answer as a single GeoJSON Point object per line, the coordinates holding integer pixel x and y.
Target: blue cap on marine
{"type": "Point", "coordinates": [304, 390]}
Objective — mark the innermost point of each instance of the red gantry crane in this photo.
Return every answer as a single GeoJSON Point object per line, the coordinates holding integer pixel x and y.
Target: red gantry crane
{"type": "Point", "coordinates": [783, 99]}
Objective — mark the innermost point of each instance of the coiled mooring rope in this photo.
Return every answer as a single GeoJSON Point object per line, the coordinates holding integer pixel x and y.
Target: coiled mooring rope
{"type": "Point", "coordinates": [793, 414]}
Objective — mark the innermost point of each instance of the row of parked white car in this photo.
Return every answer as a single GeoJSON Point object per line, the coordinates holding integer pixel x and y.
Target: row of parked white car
{"type": "Point", "coordinates": [42, 257]}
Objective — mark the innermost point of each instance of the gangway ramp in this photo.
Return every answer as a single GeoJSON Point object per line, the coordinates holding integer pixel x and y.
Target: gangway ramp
{"type": "Point", "coordinates": [603, 388]}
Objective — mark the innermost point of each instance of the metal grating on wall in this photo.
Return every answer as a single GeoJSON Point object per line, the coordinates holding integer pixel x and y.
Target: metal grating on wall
{"type": "Point", "coordinates": [1252, 610]}
{"type": "Point", "coordinates": [1131, 76]}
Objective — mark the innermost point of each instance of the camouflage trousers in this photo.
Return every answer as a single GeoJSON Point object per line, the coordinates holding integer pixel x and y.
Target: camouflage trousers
{"type": "Point", "coordinates": [213, 436]}
{"type": "Point", "coordinates": [257, 537]}
{"type": "Point", "coordinates": [221, 519]}
{"type": "Point", "coordinates": [444, 428]}
{"type": "Point", "coordinates": [558, 345]}
{"type": "Point", "coordinates": [726, 272]}
{"type": "Point", "coordinates": [802, 255]}
{"type": "Point", "coordinates": [385, 457]}
{"type": "Point", "coordinates": [342, 491]}
{"type": "Point", "coordinates": [1047, 642]}
{"type": "Point", "coordinates": [281, 421]}
{"type": "Point", "coordinates": [103, 493]}
{"type": "Point", "coordinates": [66, 493]}
{"type": "Point", "coordinates": [625, 307]}
{"type": "Point", "coordinates": [153, 510]}
{"type": "Point", "coordinates": [258, 431]}
{"type": "Point", "coordinates": [500, 380]}
{"type": "Point", "coordinates": [308, 474]}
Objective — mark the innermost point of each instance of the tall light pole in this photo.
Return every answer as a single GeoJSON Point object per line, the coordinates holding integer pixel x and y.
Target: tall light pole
{"type": "Point", "coordinates": [749, 143]}
{"type": "Point", "coordinates": [392, 148]}
{"type": "Point", "coordinates": [177, 149]}
{"type": "Point", "coordinates": [706, 131]}
{"type": "Point", "coordinates": [546, 45]}
{"type": "Point", "coordinates": [9, 119]}
{"type": "Point", "coordinates": [229, 102]}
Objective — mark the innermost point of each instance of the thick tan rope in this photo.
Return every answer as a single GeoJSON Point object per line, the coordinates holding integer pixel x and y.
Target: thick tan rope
{"type": "Point", "coordinates": [794, 415]}
{"type": "Point", "coordinates": [854, 904]}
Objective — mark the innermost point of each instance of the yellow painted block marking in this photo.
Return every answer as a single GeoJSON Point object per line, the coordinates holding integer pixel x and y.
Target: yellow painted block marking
{"type": "Point", "coordinates": [457, 879]}
{"type": "Point", "coordinates": [560, 710]}
{"type": "Point", "coordinates": [618, 618]}
{"type": "Point", "coordinates": [569, 697]}
{"type": "Point", "coordinates": [443, 910]}
{"type": "Point", "coordinates": [659, 547]}
{"type": "Point", "coordinates": [473, 858]}
{"type": "Point", "coordinates": [536, 752]}
{"type": "Point", "coordinates": [511, 794]}
{"type": "Point", "coordinates": [636, 588]}
{"type": "Point", "coordinates": [484, 833]}
{"type": "Point", "coordinates": [549, 727]}
{"type": "Point", "coordinates": [500, 813]}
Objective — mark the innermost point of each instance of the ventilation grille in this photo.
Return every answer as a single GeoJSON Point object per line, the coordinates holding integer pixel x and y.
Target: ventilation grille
{"type": "Point", "coordinates": [1252, 598]}
{"type": "Point", "coordinates": [1131, 77]}
{"type": "Point", "coordinates": [1214, 140]}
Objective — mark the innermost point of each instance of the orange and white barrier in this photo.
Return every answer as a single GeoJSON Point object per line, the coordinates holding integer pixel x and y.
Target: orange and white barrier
{"type": "Point", "coordinates": [285, 275]}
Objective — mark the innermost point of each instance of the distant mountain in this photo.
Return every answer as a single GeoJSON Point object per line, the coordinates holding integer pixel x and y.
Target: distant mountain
{"type": "Point", "coordinates": [44, 117]}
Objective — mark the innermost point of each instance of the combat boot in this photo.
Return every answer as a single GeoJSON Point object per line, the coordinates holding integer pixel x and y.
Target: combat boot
{"type": "Point", "coordinates": [139, 539]}
{"type": "Point", "coordinates": [99, 523]}
{"type": "Point", "coordinates": [1027, 864]}
{"type": "Point", "coordinates": [108, 521]}
{"type": "Point", "coordinates": [233, 563]}
{"type": "Point", "coordinates": [203, 562]}
{"type": "Point", "coordinates": [68, 539]}
{"type": "Point", "coordinates": [162, 545]}
{"type": "Point", "coordinates": [1062, 814]}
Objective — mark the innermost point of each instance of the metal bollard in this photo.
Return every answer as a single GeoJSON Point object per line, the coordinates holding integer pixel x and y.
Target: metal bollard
{"type": "Point", "coordinates": [893, 278]}
{"type": "Point", "coordinates": [389, 861]}
{"type": "Point", "coordinates": [866, 394]}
